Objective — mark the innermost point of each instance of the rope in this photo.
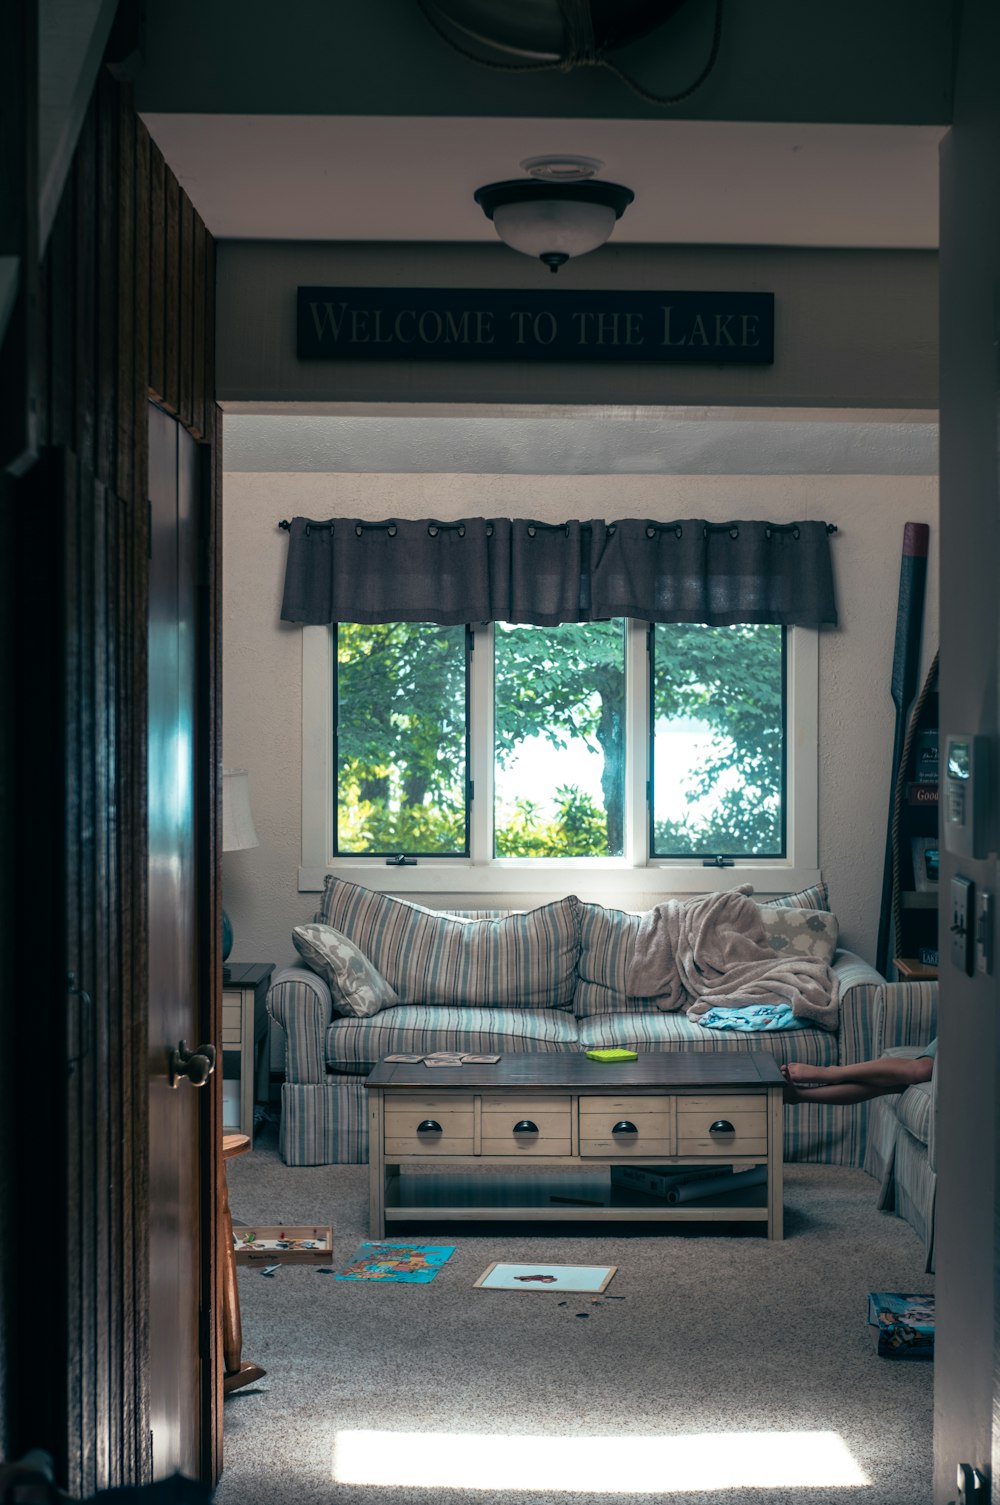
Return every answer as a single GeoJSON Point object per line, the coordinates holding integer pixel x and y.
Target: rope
{"type": "Point", "coordinates": [897, 801]}
{"type": "Point", "coordinates": [663, 100]}
{"type": "Point", "coordinates": [582, 51]}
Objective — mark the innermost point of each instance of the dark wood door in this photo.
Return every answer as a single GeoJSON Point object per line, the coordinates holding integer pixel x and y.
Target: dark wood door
{"type": "Point", "coordinates": [967, 1217]}
{"type": "Point", "coordinates": [175, 1111]}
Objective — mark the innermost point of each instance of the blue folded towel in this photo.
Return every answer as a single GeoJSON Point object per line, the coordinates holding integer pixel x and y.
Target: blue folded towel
{"type": "Point", "coordinates": [755, 1017]}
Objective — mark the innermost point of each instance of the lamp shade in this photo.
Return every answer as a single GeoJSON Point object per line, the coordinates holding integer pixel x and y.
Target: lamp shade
{"type": "Point", "coordinates": [553, 220]}
{"type": "Point", "coordinates": [237, 822]}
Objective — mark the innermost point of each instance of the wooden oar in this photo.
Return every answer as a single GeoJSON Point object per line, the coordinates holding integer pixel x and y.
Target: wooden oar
{"type": "Point", "coordinates": [905, 664]}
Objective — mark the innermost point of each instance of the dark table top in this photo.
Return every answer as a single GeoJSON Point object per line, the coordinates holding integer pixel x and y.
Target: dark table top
{"type": "Point", "coordinates": [573, 1071]}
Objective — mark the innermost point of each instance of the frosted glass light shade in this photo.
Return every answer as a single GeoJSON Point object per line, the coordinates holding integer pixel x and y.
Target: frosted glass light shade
{"type": "Point", "coordinates": [237, 822]}
{"type": "Point", "coordinates": [553, 220]}
{"type": "Point", "coordinates": [547, 226]}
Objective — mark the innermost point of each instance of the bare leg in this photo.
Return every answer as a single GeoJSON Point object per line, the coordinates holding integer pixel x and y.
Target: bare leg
{"type": "Point", "coordinates": [856, 1083]}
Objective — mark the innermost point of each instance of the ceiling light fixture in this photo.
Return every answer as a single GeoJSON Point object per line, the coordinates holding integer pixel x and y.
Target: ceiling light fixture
{"type": "Point", "coordinates": [560, 211]}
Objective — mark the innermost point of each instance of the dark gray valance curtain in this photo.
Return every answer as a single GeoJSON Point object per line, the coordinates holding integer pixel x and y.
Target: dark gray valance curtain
{"type": "Point", "coordinates": [515, 570]}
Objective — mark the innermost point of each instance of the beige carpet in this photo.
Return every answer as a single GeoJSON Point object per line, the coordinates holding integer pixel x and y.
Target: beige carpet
{"type": "Point", "coordinates": [725, 1356]}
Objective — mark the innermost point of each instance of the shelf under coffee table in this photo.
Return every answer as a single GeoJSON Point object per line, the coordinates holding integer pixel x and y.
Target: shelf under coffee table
{"type": "Point", "coordinates": [534, 1137]}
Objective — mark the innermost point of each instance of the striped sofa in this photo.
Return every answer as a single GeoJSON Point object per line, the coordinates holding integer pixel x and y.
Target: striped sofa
{"type": "Point", "coordinates": [547, 979]}
{"type": "Point", "coordinates": [901, 1152]}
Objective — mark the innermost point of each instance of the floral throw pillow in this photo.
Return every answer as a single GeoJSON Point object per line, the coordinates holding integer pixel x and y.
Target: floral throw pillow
{"type": "Point", "coordinates": [801, 932]}
{"type": "Point", "coordinates": [357, 988]}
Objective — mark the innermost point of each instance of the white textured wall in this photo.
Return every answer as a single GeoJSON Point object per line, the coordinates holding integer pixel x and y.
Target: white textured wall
{"type": "Point", "coordinates": [262, 656]}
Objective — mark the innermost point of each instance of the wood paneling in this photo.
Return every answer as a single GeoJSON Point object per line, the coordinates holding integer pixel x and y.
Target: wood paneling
{"type": "Point", "coordinates": [85, 291]}
{"type": "Point", "coordinates": [22, 359]}
{"type": "Point", "coordinates": [127, 310]}
{"type": "Point", "coordinates": [157, 280]}
{"type": "Point", "coordinates": [127, 385]}
{"type": "Point", "coordinates": [170, 396]}
{"type": "Point", "coordinates": [106, 257]}
{"type": "Point", "coordinates": [185, 308]}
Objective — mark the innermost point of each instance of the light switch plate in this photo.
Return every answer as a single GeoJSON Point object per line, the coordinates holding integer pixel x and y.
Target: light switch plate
{"type": "Point", "coordinates": [962, 923]}
{"type": "Point", "coordinates": [984, 932]}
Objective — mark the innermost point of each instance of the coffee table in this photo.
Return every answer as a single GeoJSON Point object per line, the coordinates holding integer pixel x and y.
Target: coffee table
{"type": "Point", "coordinates": [558, 1114]}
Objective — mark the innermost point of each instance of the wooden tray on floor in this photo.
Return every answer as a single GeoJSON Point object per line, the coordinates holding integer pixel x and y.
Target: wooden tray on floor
{"type": "Point", "coordinates": [283, 1244]}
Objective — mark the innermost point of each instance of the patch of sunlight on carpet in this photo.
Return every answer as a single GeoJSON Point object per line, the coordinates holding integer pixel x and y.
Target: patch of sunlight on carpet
{"type": "Point", "coordinates": [621, 1465]}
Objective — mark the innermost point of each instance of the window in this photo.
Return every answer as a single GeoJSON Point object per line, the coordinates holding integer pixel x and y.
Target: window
{"type": "Point", "coordinates": [718, 743]}
{"type": "Point", "coordinates": [507, 750]}
{"type": "Point", "coordinates": [401, 740]}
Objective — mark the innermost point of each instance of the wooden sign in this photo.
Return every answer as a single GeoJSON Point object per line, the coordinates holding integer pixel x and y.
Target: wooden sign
{"type": "Point", "coordinates": [465, 324]}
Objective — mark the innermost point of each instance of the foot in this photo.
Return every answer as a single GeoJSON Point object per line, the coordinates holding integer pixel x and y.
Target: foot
{"type": "Point", "coordinates": [801, 1075]}
{"type": "Point", "coordinates": [801, 1081]}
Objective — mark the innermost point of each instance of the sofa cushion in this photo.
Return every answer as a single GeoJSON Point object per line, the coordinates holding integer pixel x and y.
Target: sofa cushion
{"type": "Point", "coordinates": [800, 932]}
{"type": "Point", "coordinates": [520, 961]}
{"type": "Point", "coordinates": [607, 940]}
{"type": "Point", "coordinates": [914, 1108]}
{"type": "Point", "coordinates": [817, 896]}
{"type": "Point", "coordinates": [356, 986]}
{"type": "Point", "coordinates": [646, 1031]}
{"type": "Point", "coordinates": [353, 1046]}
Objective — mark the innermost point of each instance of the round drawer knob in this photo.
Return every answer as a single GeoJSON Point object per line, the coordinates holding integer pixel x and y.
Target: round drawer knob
{"type": "Point", "coordinates": [525, 1126]}
{"type": "Point", "coordinates": [429, 1126]}
{"type": "Point", "coordinates": [722, 1126]}
{"type": "Point", "coordinates": [624, 1127]}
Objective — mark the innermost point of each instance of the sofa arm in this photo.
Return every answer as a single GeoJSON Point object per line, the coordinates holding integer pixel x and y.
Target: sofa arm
{"type": "Point", "coordinates": [905, 1014]}
{"type": "Point", "coordinates": [300, 1002]}
{"type": "Point", "coordinates": [859, 986]}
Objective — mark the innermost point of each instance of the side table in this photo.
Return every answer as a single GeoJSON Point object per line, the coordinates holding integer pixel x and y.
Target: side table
{"type": "Point", "coordinates": [244, 1035]}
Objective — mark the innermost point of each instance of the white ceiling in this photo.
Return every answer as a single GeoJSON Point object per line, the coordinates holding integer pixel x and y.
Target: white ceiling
{"type": "Point", "coordinates": [390, 178]}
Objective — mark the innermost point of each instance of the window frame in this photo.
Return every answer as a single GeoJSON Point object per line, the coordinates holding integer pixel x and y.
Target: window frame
{"type": "Point", "coordinates": [630, 876]}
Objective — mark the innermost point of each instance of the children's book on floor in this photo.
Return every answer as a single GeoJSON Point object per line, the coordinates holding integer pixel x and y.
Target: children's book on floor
{"type": "Point", "coordinates": [904, 1324]}
{"type": "Point", "coordinates": [406, 1264]}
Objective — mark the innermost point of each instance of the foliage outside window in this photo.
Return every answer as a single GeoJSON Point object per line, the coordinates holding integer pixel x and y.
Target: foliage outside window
{"type": "Point", "coordinates": [401, 739]}
{"type": "Point", "coordinates": [718, 762]}
{"type": "Point", "coordinates": [559, 740]}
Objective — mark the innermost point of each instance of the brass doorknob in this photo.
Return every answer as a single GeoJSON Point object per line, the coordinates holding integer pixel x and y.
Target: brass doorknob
{"type": "Point", "coordinates": [197, 1065]}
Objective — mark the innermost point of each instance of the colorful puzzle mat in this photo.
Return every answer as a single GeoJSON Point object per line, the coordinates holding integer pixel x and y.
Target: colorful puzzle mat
{"type": "Point", "coordinates": [406, 1264]}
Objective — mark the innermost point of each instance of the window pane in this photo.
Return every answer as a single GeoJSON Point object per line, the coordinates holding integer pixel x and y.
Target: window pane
{"type": "Point", "coordinates": [718, 741]}
{"type": "Point", "coordinates": [401, 697]}
{"type": "Point", "coordinates": [559, 740]}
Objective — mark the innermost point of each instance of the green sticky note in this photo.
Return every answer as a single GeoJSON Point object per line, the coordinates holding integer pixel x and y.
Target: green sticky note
{"type": "Point", "coordinates": [612, 1055]}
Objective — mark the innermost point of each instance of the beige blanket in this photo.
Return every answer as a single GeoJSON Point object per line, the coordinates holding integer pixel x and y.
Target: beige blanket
{"type": "Point", "coordinates": [712, 952]}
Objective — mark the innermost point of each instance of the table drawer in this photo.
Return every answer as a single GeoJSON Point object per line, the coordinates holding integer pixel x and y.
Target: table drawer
{"type": "Point", "coordinates": [232, 1022]}
{"type": "Point", "coordinates": [650, 1135]}
{"type": "Point", "coordinates": [747, 1114]}
{"type": "Point", "coordinates": [549, 1113]}
{"type": "Point", "coordinates": [404, 1135]}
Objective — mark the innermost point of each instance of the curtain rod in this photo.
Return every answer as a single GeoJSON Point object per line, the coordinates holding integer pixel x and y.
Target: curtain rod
{"type": "Point", "coordinates": [287, 527]}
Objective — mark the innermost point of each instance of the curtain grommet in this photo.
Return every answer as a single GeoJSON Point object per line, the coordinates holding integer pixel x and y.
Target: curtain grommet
{"type": "Point", "coordinates": [461, 530]}
{"type": "Point", "coordinates": [531, 532]}
{"type": "Point", "coordinates": [678, 531]}
{"type": "Point", "coordinates": [795, 533]}
{"type": "Point", "coordinates": [391, 530]}
{"type": "Point", "coordinates": [358, 530]}
{"type": "Point", "coordinates": [432, 532]}
{"type": "Point", "coordinates": [734, 532]}
{"type": "Point", "coordinates": [651, 532]}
